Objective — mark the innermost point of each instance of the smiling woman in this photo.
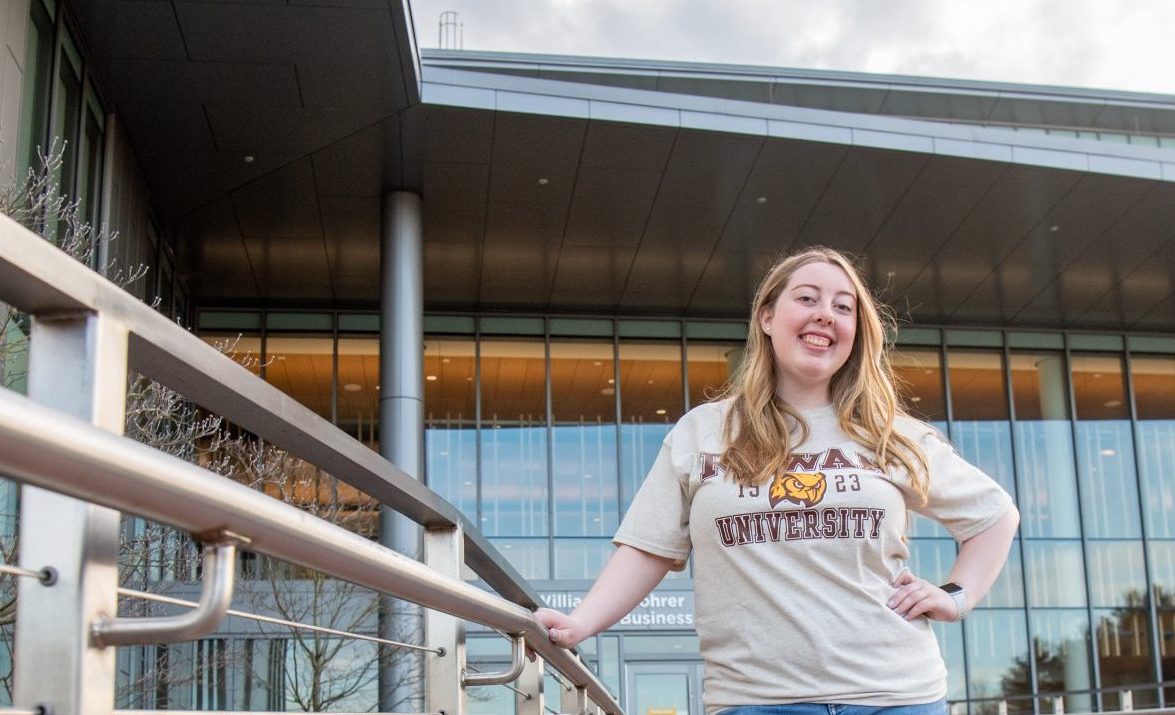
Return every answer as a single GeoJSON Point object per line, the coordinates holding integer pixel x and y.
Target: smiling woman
{"type": "Point", "coordinates": [791, 496]}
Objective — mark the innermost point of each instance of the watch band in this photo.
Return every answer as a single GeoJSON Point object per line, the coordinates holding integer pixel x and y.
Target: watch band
{"type": "Point", "coordinates": [959, 595]}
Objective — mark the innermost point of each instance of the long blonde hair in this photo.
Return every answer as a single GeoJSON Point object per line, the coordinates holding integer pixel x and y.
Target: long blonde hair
{"type": "Point", "coordinates": [760, 426]}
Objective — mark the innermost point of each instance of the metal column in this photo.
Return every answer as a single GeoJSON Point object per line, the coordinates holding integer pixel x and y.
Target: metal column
{"type": "Point", "coordinates": [77, 364]}
{"type": "Point", "coordinates": [401, 421]}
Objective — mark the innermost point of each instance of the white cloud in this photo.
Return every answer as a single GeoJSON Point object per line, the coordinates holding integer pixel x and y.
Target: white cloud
{"type": "Point", "coordinates": [1086, 43]}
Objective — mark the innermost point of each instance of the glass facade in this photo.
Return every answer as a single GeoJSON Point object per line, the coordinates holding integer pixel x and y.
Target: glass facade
{"type": "Point", "coordinates": [542, 429]}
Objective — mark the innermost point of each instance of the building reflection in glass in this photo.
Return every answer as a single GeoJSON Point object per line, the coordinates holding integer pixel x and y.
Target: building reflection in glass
{"type": "Point", "coordinates": [1153, 380]}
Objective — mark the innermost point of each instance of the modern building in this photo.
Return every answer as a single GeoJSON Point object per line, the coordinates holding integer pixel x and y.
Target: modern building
{"type": "Point", "coordinates": [590, 232]}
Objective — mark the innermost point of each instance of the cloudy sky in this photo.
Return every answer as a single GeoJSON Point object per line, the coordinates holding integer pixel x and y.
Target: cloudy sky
{"type": "Point", "coordinates": [1110, 44]}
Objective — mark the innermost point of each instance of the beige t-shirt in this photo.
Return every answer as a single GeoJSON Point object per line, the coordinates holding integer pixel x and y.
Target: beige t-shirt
{"type": "Point", "coordinates": [791, 578]}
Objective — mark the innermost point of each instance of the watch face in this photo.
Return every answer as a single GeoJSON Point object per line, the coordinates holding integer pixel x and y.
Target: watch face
{"type": "Point", "coordinates": [951, 588]}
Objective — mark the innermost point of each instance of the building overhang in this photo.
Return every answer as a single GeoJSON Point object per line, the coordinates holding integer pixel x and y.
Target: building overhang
{"type": "Point", "coordinates": [609, 187]}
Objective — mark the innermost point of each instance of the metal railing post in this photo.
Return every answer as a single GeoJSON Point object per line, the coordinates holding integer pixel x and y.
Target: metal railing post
{"type": "Point", "coordinates": [77, 364]}
{"type": "Point", "coordinates": [444, 692]}
{"type": "Point", "coordinates": [574, 701]}
{"type": "Point", "coordinates": [529, 699]}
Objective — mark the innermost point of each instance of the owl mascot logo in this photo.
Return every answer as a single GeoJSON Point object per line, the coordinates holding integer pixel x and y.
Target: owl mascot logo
{"type": "Point", "coordinates": [803, 488]}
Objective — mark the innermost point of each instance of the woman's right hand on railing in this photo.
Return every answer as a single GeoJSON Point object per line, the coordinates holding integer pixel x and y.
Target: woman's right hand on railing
{"type": "Point", "coordinates": [562, 629]}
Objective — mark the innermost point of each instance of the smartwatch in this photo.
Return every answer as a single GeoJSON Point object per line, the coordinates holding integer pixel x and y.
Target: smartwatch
{"type": "Point", "coordinates": [959, 595]}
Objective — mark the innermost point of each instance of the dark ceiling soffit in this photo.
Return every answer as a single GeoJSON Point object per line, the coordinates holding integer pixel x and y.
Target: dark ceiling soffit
{"type": "Point", "coordinates": [821, 125]}
{"type": "Point", "coordinates": [409, 53]}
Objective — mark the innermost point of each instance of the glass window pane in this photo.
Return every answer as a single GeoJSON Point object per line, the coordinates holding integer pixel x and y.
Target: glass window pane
{"type": "Point", "coordinates": [302, 366]}
{"type": "Point", "coordinates": [931, 559]}
{"type": "Point", "coordinates": [921, 526]}
{"type": "Point", "coordinates": [67, 103]}
{"type": "Point", "coordinates": [37, 73]}
{"type": "Point", "coordinates": [950, 644]}
{"type": "Point", "coordinates": [1044, 445]}
{"type": "Point", "coordinates": [1008, 589]}
{"type": "Point", "coordinates": [1117, 576]}
{"type": "Point", "coordinates": [1162, 555]}
{"type": "Point", "coordinates": [919, 374]}
{"type": "Point", "coordinates": [710, 365]}
{"type": "Point", "coordinates": [981, 430]}
{"type": "Point", "coordinates": [450, 435]}
{"type": "Point", "coordinates": [1162, 560]}
{"type": "Point", "coordinates": [581, 558]}
{"type": "Point", "coordinates": [1105, 448]}
{"type": "Point", "coordinates": [642, 645]}
{"type": "Point", "coordinates": [90, 168]}
{"type": "Point", "coordinates": [1062, 654]}
{"type": "Point", "coordinates": [529, 556]}
{"type": "Point", "coordinates": [1124, 654]}
{"type": "Point", "coordinates": [610, 663]}
{"type": "Point", "coordinates": [1154, 394]}
{"type": "Point", "coordinates": [997, 656]}
{"type": "Point", "coordinates": [513, 438]}
{"type": "Point", "coordinates": [583, 404]}
{"type": "Point", "coordinates": [1055, 573]}
{"type": "Point", "coordinates": [651, 402]}
{"type": "Point", "coordinates": [1154, 386]}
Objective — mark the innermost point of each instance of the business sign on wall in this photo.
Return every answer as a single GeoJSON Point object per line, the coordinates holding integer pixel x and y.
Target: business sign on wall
{"type": "Point", "coordinates": [659, 610]}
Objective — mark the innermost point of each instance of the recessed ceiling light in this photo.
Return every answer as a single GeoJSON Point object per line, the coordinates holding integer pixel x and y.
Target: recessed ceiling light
{"type": "Point", "coordinates": [248, 158]}
{"type": "Point", "coordinates": [1054, 229]}
{"type": "Point", "coordinates": [608, 391]}
{"type": "Point", "coordinates": [430, 378]}
{"type": "Point", "coordinates": [1108, 453]}
{"type": "Point", "coordinates": [650, 382]}
{"type": "Point", "coordinates": [597, 363]}
{"type": "Point", "coordinates": [760, 200]}
{"type": "Point", "coordinates": [445, 360]}
{"type": "Point", "coordinates": [915, 398]}
{"type": "Point", "coordinates": [1114, 403]}
{"type": "Point", "coordinates": [661, 411]}
{"type": "Point", "coordinates": [611, 381]}
{"type": "Point", "coordinates": [544, 181]}
{"type": "Point", "coordinates": [352, 387]}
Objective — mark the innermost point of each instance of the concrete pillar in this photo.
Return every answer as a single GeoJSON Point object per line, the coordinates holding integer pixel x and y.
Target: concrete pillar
{"type": "Point", "coordinates": [401, 423]}
{"type": "Point", "coordinates": [1053, 397]}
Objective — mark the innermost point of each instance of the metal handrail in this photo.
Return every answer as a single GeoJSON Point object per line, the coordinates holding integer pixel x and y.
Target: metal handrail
{"type": "Point", "coordinates": [58, 452]}
{"type": "Point", "coordinates": [284, 623]}
{"type": "Point", "coordinates": [220, 569]}
{"type": "Point", "coordinates": [1066, 693]}
{"type": "Point", "coordinates": [38, 278]}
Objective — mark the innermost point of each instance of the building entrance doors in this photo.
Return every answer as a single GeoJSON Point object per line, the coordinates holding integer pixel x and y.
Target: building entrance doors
{"type": "Point", "coordinates": [673, 688]}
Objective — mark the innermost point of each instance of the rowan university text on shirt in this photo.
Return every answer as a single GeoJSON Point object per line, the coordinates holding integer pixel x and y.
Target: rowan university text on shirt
{"type": "Point", "coordinates": [795, 496]}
